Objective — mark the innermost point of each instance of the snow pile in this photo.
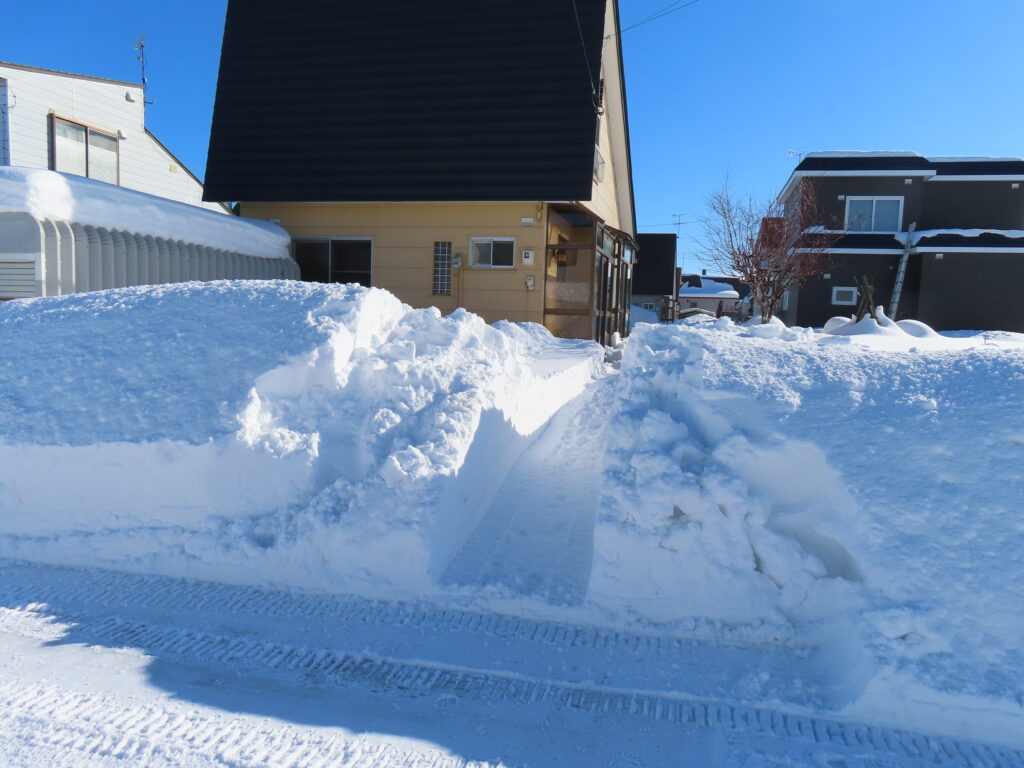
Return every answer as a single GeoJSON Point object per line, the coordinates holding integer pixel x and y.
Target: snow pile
{"type": "Point", "coordinates": [282, 432]}
{"type": "Point", "coordinates": [638, 314]}
{"type": "Point", "coordinates": [859, 500]}
{"type": "Point", "coordinates": [71, 198]}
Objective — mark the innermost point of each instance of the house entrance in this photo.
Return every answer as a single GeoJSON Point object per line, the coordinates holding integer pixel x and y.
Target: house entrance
{"type": "Point", "coordinates": [334, 260]}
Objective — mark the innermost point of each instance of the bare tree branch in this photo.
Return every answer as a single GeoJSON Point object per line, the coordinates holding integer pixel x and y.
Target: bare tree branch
{"type": "Point", "coordinates": [772, 246]}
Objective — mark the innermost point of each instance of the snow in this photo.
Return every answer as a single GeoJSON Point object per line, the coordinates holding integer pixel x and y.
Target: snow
{"type": "Point", "coordinates": [709, 288]}
{"type": "Point", "coordinates": [638, 314]}
{"type": "Point", "coordinates": [977, 159]}
{"type": "Point", "coordinates": [442, 532]}
{"type": "Point", "coordinates": [246, 431]}
{"type": "Point", "coordinates": [917, 236]}
{"type": "Point", "coordinates": [67, 197]}
{"type": "Point", "coordinates": [860, 153]}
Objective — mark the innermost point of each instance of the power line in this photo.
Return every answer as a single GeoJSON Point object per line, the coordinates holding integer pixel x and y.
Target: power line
{"type": "Point", "coordinates": [671, 8]}
{"type": "Point", "coordinates": [586, 58]}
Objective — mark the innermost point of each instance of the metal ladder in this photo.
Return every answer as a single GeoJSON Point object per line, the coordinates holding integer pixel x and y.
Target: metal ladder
{"type": "Point", "coordinates": [897, 288]}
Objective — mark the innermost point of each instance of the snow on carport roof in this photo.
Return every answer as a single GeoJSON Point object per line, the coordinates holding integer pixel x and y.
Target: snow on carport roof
{"type": "Point", "coordinates": [76, 199]}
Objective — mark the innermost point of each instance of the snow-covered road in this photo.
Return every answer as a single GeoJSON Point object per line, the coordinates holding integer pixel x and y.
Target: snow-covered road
{"type": "Point", "coordinates": [110, 669]}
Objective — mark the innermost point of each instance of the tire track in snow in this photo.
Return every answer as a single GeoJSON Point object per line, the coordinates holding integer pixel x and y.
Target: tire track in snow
{"type": "Point", "coordinates": [322, 667]}
{"type": "Point", "coordinates": [23, 583]}
{"type": "Point", "coordinates": [147, 734]}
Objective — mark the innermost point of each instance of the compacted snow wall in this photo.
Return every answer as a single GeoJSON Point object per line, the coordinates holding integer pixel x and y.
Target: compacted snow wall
{"type": "Point", "coordinates": [279, 432]}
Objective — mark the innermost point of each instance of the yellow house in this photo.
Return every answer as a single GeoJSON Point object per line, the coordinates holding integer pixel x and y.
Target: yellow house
{"type": "Point", "coordinates": [456, 153]}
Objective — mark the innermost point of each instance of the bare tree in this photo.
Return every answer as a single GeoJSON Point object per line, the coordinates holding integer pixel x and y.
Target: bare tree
{"type": "Point", "coordinates": [772, 246]}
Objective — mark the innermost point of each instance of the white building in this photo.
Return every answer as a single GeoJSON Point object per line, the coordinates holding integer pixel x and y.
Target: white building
{"type": "Point", "coordinates": [88, 126]}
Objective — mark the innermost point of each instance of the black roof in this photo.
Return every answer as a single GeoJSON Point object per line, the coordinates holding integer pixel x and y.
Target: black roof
{"type": "Point", "coordinates": [335, 100]}
{"type": "Point", "coordinates": [868, 241]}
{"type": "Point", "coordinates": [951, 166]}
{"type": "Point", "coordinates": [655, 270]}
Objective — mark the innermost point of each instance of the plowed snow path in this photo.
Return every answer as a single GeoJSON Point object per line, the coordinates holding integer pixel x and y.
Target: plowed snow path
{"type": "Point", "coordinates": [537, 536]}
{"type": "Point", "coordinates": [110, 669]}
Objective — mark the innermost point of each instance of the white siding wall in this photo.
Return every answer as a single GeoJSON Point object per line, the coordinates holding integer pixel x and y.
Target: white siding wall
{"type": "Point", "coordinates": [611, 198]}
{"type": "Point", "coordinates": [113, 108]}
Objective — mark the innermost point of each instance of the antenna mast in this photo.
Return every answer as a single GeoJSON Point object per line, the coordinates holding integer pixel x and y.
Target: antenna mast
{"type": "Point", "coordinates": [140, 55]}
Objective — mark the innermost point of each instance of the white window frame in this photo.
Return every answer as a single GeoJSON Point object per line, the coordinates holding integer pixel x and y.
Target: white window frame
{"type": "Point", "coordinates": [873, 199]}
{"type": "Point", "coordinates": [838, 303]}
{"type": "Point", "coordinates": [650, 306]}
{"type": "Point", "coordinates": [472, 252]}
{"type": "Point", "coordinates": [89, 130]}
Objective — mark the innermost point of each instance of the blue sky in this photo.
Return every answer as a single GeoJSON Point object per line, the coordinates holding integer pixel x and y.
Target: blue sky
{"type": "Point", "coordinates": [721, 86]}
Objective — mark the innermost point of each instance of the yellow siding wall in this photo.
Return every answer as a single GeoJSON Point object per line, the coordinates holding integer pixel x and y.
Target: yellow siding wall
{"type": "Point", "coordinates": [404, 234]}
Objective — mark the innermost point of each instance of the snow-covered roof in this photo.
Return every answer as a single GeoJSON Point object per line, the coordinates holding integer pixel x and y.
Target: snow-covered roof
{"type": "Point", "coordinates": [919, 235]}
{"type": "Point", "coordinates": [76, 199]}
{"type": "Point", "coordinates": [861, 153]}
{"type": "Point", "coordinates": [709, 288]}
{"type": "Point", "coordinates": [967, 159]}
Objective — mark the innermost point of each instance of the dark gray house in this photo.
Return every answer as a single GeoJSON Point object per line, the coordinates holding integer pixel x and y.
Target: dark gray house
{"type": "Point", "coordinates": [940, 238]}
{"type": "Point", "coordinates": [655, 277]}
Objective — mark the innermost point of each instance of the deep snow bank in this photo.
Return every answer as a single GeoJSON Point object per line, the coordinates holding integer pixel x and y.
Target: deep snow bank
{"type": "Point", "coordinates": [282, 432]}
{"type": "Point", "coordinates": [824, 490]}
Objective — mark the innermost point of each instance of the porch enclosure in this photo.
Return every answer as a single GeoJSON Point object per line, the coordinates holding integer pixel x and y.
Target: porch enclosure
{"type": "Point", "coordinates": [589, 268]}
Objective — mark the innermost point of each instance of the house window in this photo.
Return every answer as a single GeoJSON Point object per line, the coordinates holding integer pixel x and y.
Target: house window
{"type": "Point", "coordinates": [83, 151]}
{"type": "Point", "coordinates": [334, 260]}
{"type": "Point", "coordinates": [873, 214]}
{"type": "Point", "coordinates": [493, 252]}
{"type": "Point", "coordinates": [599, 164]}
{"type": "Point", "coordinates": [844, 296]}
{"type": "Point", "coordinates": [648, 305]}
{"type": "Point", "coordinates": [442, 269]}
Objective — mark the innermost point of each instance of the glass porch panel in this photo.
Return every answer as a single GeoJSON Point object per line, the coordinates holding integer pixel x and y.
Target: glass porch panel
{"type": "Point", "coordinates": [569, 283]}
{"type": "Point", "coordinates": [570, 326]}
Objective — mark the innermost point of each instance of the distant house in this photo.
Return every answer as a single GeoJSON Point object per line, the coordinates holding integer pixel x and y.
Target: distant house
{"type": "Point", "coordinates": [88, 126]}
{"type": "Point", "coordinates": [940, 238]}
{"type": "Point", "coordinates": [711, 294]}
{"type": "Point", "coordinates": [655, 277]}
{"type": "Point", "coordinates": [471, 154]}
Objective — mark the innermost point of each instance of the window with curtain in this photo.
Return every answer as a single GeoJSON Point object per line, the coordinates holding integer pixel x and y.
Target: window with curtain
{"type": "Point", "coordinates": [80, 150]}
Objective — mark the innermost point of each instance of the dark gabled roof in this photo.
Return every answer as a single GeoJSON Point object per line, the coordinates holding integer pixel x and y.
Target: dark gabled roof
{"type": "Point", "coordinates": [855, 161]}
{"type": "Point", "coordinates": [996, 166]}
{"type": "Point", "coordinates": [655, 270]}
{"type": "Point", "coordinates": [908, 161]}
{"type": "Point", "coordinates": [406, 100]}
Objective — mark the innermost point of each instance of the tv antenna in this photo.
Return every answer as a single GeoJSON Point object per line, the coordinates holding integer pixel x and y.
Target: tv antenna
{"type": "Point", "coordinates": [140, 55]}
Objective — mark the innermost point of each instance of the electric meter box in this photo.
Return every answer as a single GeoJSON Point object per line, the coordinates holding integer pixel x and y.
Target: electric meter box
{"type": "Point", "coordinates": [527, 258]}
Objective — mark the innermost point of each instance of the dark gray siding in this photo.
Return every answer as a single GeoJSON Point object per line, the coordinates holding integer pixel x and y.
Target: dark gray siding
{"type": "Point", "coordinates": [406, 100]}
{"type": "Point", "coordinates": [655, 270]}
{"type": "Point", "coordinates": [972, 205]}
{"type": "Point", "coordinates": [829, 188]}
{"type": "Point", "coordinates": [815, 305]}
{"type": "Point", "coordinates": [977, 291]}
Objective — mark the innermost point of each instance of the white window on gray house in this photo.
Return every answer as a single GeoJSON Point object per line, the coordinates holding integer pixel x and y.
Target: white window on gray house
{"type": "Point", "coordinates": [648, 305]}
{"type": "Point", "coordinates": [845, 296]}
{"type": "Point", "coordinates": [493, 252]}
{"type": "Point", "coordinates": [83, 151]}
{"type": "Point", "coordinates": [873, 214]}
{"type": "Point", "coordinates": [443, 269]}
